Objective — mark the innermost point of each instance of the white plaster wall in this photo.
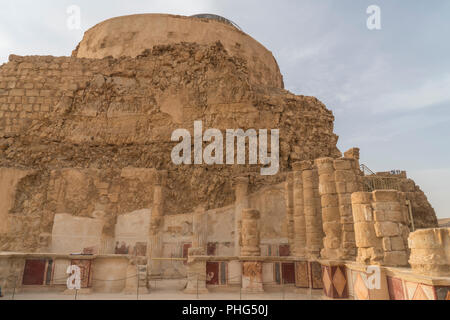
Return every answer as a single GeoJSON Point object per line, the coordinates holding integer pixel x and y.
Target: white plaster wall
{"type": "Point", "coordinates": [72, 234]}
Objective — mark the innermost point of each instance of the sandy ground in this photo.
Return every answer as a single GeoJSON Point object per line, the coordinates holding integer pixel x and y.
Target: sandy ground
{"type": "Point", "coordinates": [172, 290]}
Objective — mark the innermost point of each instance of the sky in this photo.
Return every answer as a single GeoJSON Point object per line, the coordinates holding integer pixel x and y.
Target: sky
{"type": "Point", "coordinates": [389, 89]}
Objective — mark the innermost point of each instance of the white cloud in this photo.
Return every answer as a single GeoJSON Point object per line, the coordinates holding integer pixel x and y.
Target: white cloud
{"type": "Point", "coordinates": [430, 93]}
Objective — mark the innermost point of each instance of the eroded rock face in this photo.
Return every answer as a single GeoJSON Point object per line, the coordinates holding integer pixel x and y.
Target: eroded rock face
{"type": "Point", "coordinates": [98, 117]}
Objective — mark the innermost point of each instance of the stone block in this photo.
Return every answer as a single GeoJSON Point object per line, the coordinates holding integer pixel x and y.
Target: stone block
{"type": "Point", "coordinates": [385, 195]}
{"type": "Point", "coordinates": [361, 197]}
{"type": "Point", "coordinates": [387, 244]}
{"type": "Point", "coordinates": [330, 214]}
{"type": "Point", "coordinates": [342, 164]}
{"type": "Point", "coordinates": [365, 235]}
{"type": "Point", "coordinates": [397, 243]}
{"type": "Point", "coordinates": [395, 258]}
{"type": "Point", "coordinates": [386, 229]}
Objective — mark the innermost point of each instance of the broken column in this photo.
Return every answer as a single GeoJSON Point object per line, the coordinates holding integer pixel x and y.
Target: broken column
{"type": "Point", "coordinates": [346, 183]}
{"type": "Point", "coordinates": [289, 200]}
{"type": "Point", "coordinates": [312, 210]}
{"type": "Point", "coordinates": [381, 227]}
{"type": "Point", "coordinates": [196, 274]}
{"type": "Point", "coordinates": [252, 269]}
{"type": "Point", "coordinates": [299, 213]}
{"type": "Point", "coordinates": [156, 223]}
{"type": "Point", "coordinates": [330, 209]}
{"type": "Point", "coordinates": [430, 252]}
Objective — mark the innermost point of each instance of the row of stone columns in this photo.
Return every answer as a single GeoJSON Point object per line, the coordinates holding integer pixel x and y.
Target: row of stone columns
{"type": "Point", "coordinates": [307, 219]}
{"type": "Point", "coordinates": [319, 208]}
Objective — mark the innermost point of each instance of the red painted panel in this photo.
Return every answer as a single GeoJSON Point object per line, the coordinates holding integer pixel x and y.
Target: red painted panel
{"type": "Point", "coordinates": [212, 273]}
{"type": "Point", "coordinates": [395, 288]}
{"type": "Point", "coordinates": [211, 249]}
{"type": "Point", "coordinates": [186, 247]}
{"type": "Point", "coordinates": [284, 250]}
{"type": "Point", "coordinates": [34, 272]}
{"type": "Point", "coordinates": [288, 272]}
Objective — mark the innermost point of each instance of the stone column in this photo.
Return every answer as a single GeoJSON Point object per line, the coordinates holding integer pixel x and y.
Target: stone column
{"type": "Point", "coordinates": [289, 200]}
{"type": "Point", "coordinates": [199, 229]}
{"type": "Point", "coordinates": [330, 209]}
{"type": "Point", "coordinates": [346, 184]}
{"type": "Point", "coordinates": [241, 194]}
{"type": "Point", "coordinates": [242, 202]}
{"type": "Point", "coordinates": [312, 210]}
{"type": "Point", "coordinates": [252, 270]}
{"type": "Point", "coordinates": [156, 223]}
{"type": "Point", "coordinates": [299, 213]}
{"type": "Point", "coordinates": [196, 274]}
{"type": "Point", "coordinates": [430, 252]}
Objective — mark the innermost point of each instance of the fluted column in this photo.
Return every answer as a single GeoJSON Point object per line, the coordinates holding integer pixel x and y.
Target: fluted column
{"type": "Point", "coordinates": [330, 209]}
{"type": "Point", "coordinates": [312, 210]}
{"type": "Point", "coordinates": [299, 214]}
{"type": "Point", "coordinates": [289, 200]}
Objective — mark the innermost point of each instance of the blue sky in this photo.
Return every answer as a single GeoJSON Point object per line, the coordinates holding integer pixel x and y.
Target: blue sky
{"type": "Point", "coordinates": [389, 89]}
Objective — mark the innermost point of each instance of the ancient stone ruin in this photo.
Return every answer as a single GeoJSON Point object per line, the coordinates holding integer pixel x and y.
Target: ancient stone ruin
{"type": "Point", "coordinates": [86, 176]}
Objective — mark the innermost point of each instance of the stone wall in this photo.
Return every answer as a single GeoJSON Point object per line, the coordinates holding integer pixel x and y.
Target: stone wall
{"type": "Point", "coordinates": [102, 116]}
{"type": "Point", "coordinates": [381, 227]}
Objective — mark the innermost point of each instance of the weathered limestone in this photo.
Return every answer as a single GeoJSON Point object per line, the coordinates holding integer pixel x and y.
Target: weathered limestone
{"type": "Point", "coordinates": [252, 281]}
{"type": "Point", "coordinates": [338, 179]}
{"type": "Point", "coordinates": [347, 183]}
{"type": "Point", "coordinates": [312, 209]}
{"type": "Point", "coordinates": [330, 209]}
{"type": "Point", "coordinates": [299, 213]}
{"type": "Point", "coordinates": [156, 221]}
{"type": "Point", "coordinates": [430, 252]}
{"type": "Point", "coordinates": [381, 227]}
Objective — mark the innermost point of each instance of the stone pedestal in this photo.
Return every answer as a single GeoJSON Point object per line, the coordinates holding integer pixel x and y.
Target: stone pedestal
{"type": "Point", "coordinates": [196, 274]}
{"type": "Point", "coordinates": [252, 281]}
{"type": "Point", "coordinates": [251, 270]}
